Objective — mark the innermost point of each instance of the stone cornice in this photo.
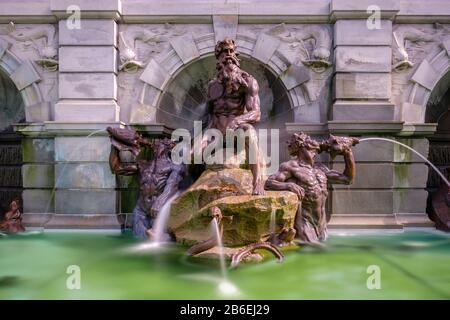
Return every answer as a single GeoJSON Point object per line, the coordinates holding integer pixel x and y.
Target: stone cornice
{"type": "Point", "coordinates": [176, 11]}
{"type": "Point", "coordinates": [52, 128]}
{"type": "Point", "coordinates": [101, 9]}
{"type": "Point", "coordinates": [395, 128]}
{"type": "Point", "coordinates": [348, 9]}
{"type": "Point", "coordinates": [55, 128]}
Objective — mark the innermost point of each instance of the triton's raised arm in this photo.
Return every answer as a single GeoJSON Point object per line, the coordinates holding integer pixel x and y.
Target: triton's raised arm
{"type": "Point", "coordinates": [341, 146]}
{"type": "Point", "coordinates": [123, 140]}
{"type": "Point", "coordinates": [118, 167]}
{"type": "Point", "coordinates": [348, 175]}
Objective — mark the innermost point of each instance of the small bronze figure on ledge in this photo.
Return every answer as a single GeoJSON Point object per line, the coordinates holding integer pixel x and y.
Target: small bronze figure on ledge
{"type": "Point", "coordinates": [308, 179]}
{"type": "Point", "coordinates": [12, 222]}
{"type": "Point", "coordinates": [158, 178]}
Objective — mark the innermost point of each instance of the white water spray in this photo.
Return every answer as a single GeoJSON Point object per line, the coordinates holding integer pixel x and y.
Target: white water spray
{"type": "Point", "coordinates": [416, 152]}
{"type": "Point", "coordinates": [272, 221]}
{"type": "Point", "coordinates": [159, 236]}
{"type": "Point", "coordinates": [216, 230]}
{"type": "Point", "coordinates": [160, 225]}
{"type": "Point", "coordinates": [225, 286]}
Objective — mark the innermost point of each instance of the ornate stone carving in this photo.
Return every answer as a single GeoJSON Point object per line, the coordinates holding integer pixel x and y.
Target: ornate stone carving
{"type": "Point", "coordinates": [43, 40]}
{"type": "Point", "coordinates": [402, 38]}
{"type": "Point", "coordinates": [130, 60]}
{"type": "Point", "coordinates": [311, 42]}
{"type": "Point", "coordinates": [430, 68]}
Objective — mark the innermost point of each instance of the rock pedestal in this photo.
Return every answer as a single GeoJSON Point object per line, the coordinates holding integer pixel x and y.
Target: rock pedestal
{"type": "Point", "coordinates": [246, 218]}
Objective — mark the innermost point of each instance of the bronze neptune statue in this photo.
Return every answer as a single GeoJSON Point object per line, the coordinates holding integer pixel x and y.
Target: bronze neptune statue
{"type": "Point", "coordinates": [233, 102]}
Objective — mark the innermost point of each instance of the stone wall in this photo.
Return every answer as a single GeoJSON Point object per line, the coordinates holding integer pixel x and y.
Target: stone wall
{"type": "Point", "coordinates": [141, 62]}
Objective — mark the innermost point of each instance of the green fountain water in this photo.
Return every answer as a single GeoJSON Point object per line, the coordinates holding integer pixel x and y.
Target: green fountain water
{"type": "Point", "coordinates": [33, 266]}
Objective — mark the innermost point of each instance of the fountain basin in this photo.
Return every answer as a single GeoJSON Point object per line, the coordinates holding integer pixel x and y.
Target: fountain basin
{"type": "Point", "coordinates": [36, 264]}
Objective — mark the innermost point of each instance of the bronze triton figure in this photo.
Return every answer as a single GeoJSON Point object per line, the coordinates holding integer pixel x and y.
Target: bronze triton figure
{"type": "Point", "coordinates": [158, 178]}
{"type": "Point", "coordinates": [309, 179]}
{"type": "Point", "coordinates": [233, 102]}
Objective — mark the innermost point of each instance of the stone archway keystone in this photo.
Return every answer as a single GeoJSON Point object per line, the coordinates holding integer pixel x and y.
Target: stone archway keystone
{"type": "Point", "coordinates": [185, 47]}
{"type": "Point", "coordinates": [265, 47]}
{"type": "Point", "coordinates": [155, 75]}
{"type": "Point", "coordinates": [225, 26]}
{"type": "Point", "coordinates": [24, 76]}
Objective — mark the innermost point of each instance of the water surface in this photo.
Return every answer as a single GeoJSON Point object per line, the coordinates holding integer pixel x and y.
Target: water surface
{"type": "Point", "coordinates": [413, 265]}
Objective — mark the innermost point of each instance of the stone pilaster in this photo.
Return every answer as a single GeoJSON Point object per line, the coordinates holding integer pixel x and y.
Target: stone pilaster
{"type": "Point", "coordinates": [85, 188]}
{"type": "Point", "coordinates": [38, 154]}
{"type": "Point", "coordinates": [88, 72]}
{"type": "Point", "coordinates": [362, 81]}
{"type": "Point", "coordinates": [85, 193]}
{"type": "Point", "coordinates": [389, 188]}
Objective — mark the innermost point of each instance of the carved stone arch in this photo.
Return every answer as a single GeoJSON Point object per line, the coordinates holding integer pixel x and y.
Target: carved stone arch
{"type": "Point", "coordinates": [25, 78]}
{"type": "Point", "coordinates": [188, 49]}
{"type": "Point", "coordinates": [423, 81]}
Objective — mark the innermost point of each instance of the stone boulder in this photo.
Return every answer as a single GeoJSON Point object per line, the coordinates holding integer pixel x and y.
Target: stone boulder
{"type": "Point", "coordinates": [246, 218]}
